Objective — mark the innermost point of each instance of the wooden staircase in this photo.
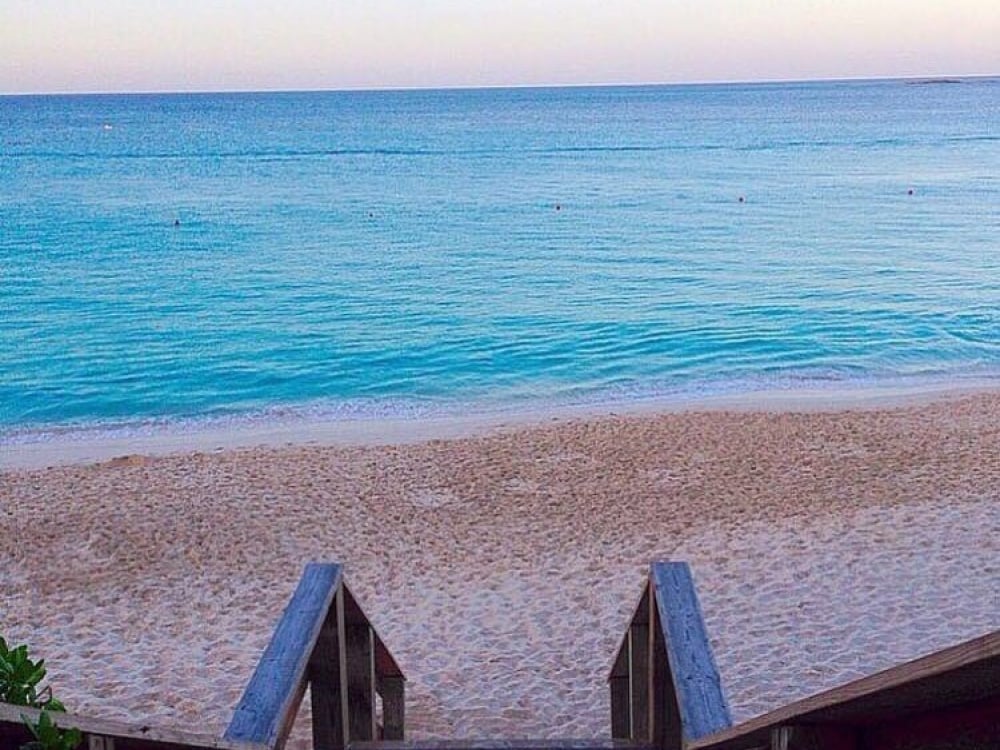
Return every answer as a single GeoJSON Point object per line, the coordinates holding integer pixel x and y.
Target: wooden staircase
{"type": "Point", "coordinates": [665, 691]}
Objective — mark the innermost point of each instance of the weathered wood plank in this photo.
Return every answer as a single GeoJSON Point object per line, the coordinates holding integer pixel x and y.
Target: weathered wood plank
{"type": "Point", "coordinates": [700, 699]}
{"type": "Point", "coordinates": [621, 713]}
{"type": "Point", "coordinates": [628, 680]}
{"type": "Point", "coordinates": [360, 682]}
{"type": "Point", "coordinates": [271, 699]}
{"type": "Point", "coordinates": [327, 699]}
{"type": "Point", "coordinates": [345, 718]}
{"type": "Point", "coordinates": [393, 692]}
{"type": "Point", "coordinates": [126, 736]}
{"type": "Point", "coordinates": [664, 718]}
{"type": "Point", "coordinates": [638, 673]}
{"type": "Point", "coordinates": [621, 721]}
{"type": "Point", "coordinates": [964, 674]}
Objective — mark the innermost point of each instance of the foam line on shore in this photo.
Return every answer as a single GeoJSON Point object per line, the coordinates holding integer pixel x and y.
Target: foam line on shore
{"type": "Point", "coordinates": [85, 446]}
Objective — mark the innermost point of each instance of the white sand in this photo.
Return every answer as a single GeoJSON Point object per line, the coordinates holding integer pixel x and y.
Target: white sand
{"type": "Point", "coordinates": [501, 569]}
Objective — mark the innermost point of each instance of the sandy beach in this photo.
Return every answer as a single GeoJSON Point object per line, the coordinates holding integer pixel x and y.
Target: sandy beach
{"type": "Point", "coordinates": [501, 567]}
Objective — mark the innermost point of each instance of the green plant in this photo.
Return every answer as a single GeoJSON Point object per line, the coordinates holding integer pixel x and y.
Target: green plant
{"type": "Point", "coordinates": [20, 678]}
{"type": "Point", "coordinates": [50, 737]}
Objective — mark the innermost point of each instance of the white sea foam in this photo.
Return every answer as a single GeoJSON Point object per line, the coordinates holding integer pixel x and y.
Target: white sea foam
{"type": "Point", "coordinates": [403, 421]}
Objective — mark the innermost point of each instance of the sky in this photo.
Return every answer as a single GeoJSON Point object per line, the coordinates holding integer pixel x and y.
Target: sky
{"type": "Point", "coordinates": [212, 45]}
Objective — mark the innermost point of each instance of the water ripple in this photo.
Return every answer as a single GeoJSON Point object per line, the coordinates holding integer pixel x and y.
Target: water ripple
{"type": "Point", "coordinates": [299, 256]}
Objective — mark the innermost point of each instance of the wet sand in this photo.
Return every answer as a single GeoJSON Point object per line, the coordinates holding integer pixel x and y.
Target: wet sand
{"type": "Point", "coordinates": [501, 568]}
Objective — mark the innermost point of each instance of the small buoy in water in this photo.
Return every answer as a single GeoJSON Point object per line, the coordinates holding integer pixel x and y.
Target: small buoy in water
{"type": "Point", "coordinates": [371, 215]}
{"type": "Point", "coordinates": [177, 222]}
{"type": "Point", "coordinates": [558, 207]}
{"type": "Point", "coordinates": [910, 191]}
{"type": "Point", "coordinates": [742, 199]}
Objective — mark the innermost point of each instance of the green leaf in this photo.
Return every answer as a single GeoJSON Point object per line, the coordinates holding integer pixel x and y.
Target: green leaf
{"type": "Point", "coordinates": [72, 738]}
{"type": "Point", "coordinates": [20, 677]}
{"type": "Point", "coordinates": [48, 736]}
{"type": "Point", "coordinates": [37, 674]}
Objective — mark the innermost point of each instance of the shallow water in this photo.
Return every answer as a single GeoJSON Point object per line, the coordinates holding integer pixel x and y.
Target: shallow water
{"type": "Point", "coordinates": [253, 256]}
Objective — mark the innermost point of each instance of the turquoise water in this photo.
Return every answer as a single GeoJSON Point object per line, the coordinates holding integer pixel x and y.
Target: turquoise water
{"type": "Point", "coordinates": [397, 253]}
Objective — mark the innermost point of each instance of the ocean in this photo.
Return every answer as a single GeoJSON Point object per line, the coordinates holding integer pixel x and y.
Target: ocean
{"type": "Point", "coordinates": [191, 259]}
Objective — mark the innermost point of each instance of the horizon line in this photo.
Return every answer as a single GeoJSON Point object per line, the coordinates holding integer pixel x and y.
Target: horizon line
{"type": "Point", "coordinates": [931, 78]}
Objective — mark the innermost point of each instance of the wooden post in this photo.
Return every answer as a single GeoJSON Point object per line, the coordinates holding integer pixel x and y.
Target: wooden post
{"type": "Point", "coordinates": [393, 707]}
{"type": "Point", "coordinates": [328, 728]}
{"type": "Point", "coordinates": [391, 685]}
{"type": "Point", "coordinates": [638, 681]}
{"type": "Point", "coordinates": [345, 714]}
{"type": "Point", "coordinates": [620, 706]}
{"type": "Point", "coordinates": [360, 682]}
{"type": "Point", "coordinates": [664, 716]}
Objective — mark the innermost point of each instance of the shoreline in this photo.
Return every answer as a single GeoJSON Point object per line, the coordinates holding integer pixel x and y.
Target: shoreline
{"type": "Point", "coordinates": [86, 446]}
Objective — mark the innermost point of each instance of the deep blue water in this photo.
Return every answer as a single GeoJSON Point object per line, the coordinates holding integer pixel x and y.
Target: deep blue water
{"type": "Point", "coordinates": [399, 252]}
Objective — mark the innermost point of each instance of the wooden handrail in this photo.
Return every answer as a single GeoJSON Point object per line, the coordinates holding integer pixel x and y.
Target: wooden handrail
{"type": "Point", "coordinates": [964, 678]}
{"type": "Point", "coordinates": [665, 687]}
{"type": "Point", "coordinates": [665, 690]}
{"type": "Point", "coordinates": [323, 640]}
{"type": "Point", "coordinates": [947, 699]}
{"type": "Point", "coordinates": [271, 700]}
{"type": "Point", "coordinates": [695, 677]}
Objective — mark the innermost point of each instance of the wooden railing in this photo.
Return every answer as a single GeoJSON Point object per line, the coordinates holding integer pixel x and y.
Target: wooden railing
{"type": "Point", "coordinates": [948, 700]}
{"type": "Point", "coordinates": [323, 641]}
{"type": "Point", "coordinates": [665, 687]}
{"type": "Point", "coordinates": [104, 734]}
{"type": "Point", "coordinates": [665, 690]}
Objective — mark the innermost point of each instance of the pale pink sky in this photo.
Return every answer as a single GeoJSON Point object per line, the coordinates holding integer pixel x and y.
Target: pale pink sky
{"type": "Point", "coordinates": [155, 45]}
